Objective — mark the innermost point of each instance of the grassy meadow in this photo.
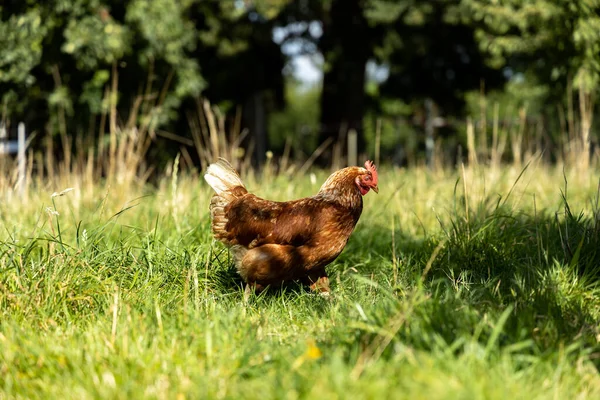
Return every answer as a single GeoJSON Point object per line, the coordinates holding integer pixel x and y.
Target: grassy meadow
{"type": "Point", "coordinates": [475, 283]}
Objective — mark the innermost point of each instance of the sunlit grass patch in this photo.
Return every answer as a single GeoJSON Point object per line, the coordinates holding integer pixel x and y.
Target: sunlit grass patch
{"type": "Point", "coordinates": [480, 284]}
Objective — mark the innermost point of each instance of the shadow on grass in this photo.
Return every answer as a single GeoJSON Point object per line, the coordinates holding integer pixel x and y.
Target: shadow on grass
{"type": "Point", "coordinates": [545, 266]}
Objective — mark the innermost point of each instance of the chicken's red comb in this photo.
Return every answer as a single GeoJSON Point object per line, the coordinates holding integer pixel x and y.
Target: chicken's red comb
{"type": "Point", "coordinates": [372, 169]}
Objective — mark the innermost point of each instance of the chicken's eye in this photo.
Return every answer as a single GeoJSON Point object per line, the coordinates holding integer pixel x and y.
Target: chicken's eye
{"type": "Point", "coordinates": [367, 178]}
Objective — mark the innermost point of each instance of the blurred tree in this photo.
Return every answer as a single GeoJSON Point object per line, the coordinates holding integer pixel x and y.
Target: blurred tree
{"type": "Point", "coordinates": [241, 63]}
{"type": "Point", "coordinates": [21, 40]}
{"type": "Point", "coordinates": [57, 60]}
{"type": "Point", "coordinates": [431, 53]}
{"type": "Point", "coordinates": [554, 39]}
{"type": "Point", "coordinates": [557, 43]}
{"type": "Point", "coordinates": [298, 125]}
{"type": "Point", "coordinates": [347, 44]}
{"type": "Point", "coordinates": [74, 47]}
{"type": "Point", "coordinates": [434, 59]}
{"type": "Point", "coordinates": [427, 48]}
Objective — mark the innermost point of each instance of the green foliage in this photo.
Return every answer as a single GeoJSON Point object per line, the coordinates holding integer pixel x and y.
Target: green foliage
{"type": "Point", "coordinates": [93, 41]}
{"type": "Point", "coordinates": [57, 59]}
{"type": "Point", "coordinates": [164, 28]}
{"type": "Point", "coordinates": [65, 66]}
{"type": "Point", "coordinates": [431, 52]}
{"type": "Point", "coordinates": [564, 34]}
{"type": "Point", "coordinates": [516, 94]}
{"type": "Point", "coordinates": [270, 8]}
{"type": "Point", "coordinates": [168, 34]}
{"type": "Point", "coordinates": [93, 91]}
{"type": "Point", "coordinates": [399, 139]}
{"type": "Point", "coordinates": [385, 12]}
{"type": "Point", "coordinates": [21, 38]}
{"type": "Point", "coordinates": [65, 51]}
{"type": "Point", "coordinates": [157, 49]}
{"type": "Point", "coordinates": [298, 122]}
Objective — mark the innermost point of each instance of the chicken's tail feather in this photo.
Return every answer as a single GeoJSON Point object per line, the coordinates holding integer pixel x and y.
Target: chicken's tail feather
{"type": "Point", "coordinates": [228, 186]}
{"type": "Point", "coordinates": [222, 177]}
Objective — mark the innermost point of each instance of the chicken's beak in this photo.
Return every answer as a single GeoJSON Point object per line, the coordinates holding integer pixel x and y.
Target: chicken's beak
{"type": "Point", "coordinates": [375, 189]}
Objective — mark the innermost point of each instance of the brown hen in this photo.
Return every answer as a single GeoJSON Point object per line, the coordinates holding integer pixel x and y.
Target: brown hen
{"type": "Point", "coordinates": [273, 242]}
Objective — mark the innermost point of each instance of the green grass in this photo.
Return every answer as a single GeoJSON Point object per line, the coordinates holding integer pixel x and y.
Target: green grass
{"type": "Point", "coordinates": [482, 284]}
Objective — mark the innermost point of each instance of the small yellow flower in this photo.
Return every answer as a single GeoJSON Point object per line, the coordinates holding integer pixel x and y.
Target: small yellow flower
{"type": "Point", "coordinates": [313, 352]}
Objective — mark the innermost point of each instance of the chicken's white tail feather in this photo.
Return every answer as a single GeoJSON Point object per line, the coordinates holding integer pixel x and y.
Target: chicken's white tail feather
{"type": "Point", "coordinates": [221, 176]}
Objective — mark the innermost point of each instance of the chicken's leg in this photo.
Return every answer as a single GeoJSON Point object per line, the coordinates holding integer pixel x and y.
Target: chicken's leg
{"type": "Point", "coordinates": [319, 282]}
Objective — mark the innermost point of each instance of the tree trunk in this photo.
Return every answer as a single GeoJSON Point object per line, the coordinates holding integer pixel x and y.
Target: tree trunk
{"type": "Point", "coordinates": [346, 49]}
{"type": "Point", "coordinates": [255, 121]}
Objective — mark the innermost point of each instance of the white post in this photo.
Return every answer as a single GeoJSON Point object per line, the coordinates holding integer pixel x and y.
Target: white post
{"type": "Point", "coordinates": [21, 159]}
{"type": "Point", "coordinates": [352, 147]}
{"type": "Point", "coordinates": [3, 144]}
